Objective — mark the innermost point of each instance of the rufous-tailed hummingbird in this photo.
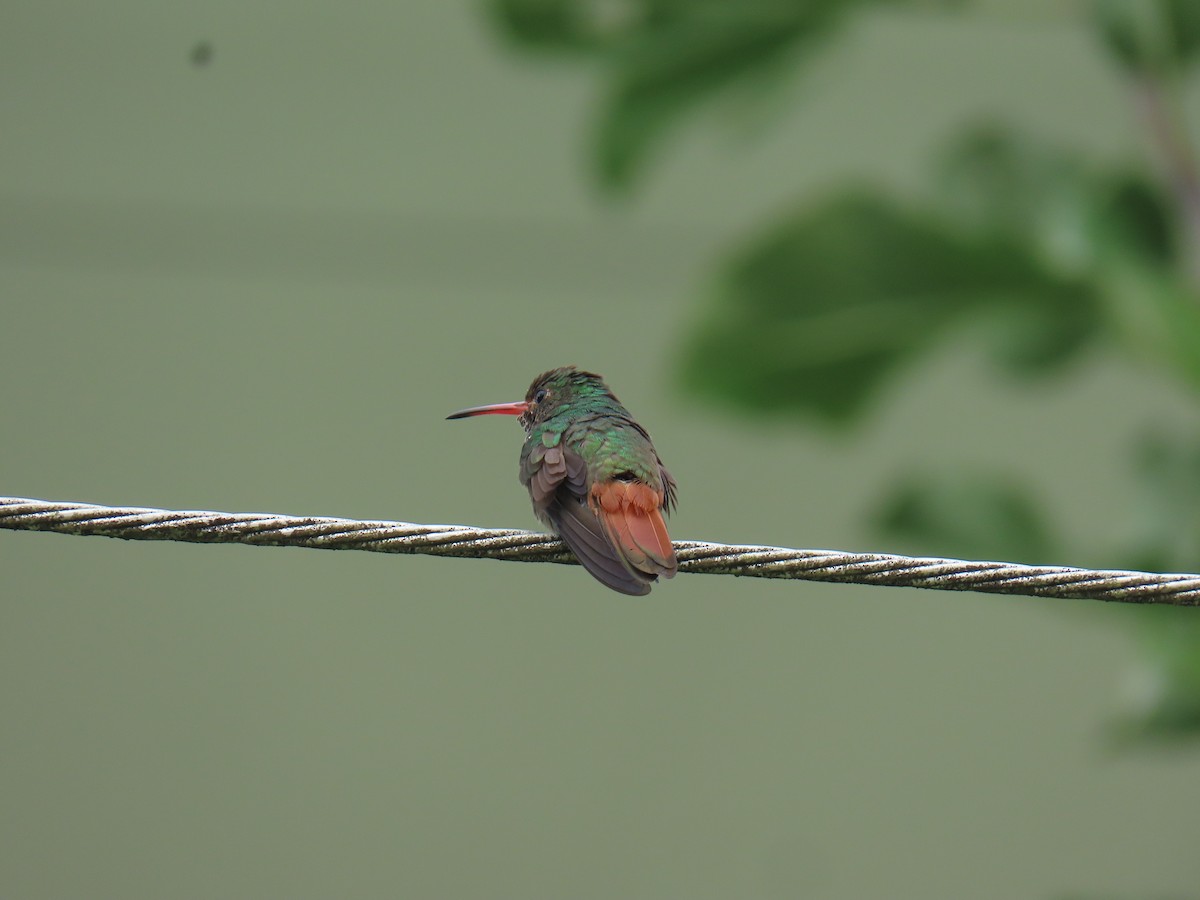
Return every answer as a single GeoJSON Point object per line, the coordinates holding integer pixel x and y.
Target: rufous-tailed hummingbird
{"type": "Point", "coordinates": [594, 477]}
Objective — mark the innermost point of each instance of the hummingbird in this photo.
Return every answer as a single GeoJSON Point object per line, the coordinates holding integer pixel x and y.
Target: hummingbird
{"type": "Point", "coordinates": [594, 477]}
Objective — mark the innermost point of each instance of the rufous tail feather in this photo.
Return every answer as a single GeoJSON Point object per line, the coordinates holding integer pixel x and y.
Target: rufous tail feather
{"type": "Point", "coordinates": [631, 513]}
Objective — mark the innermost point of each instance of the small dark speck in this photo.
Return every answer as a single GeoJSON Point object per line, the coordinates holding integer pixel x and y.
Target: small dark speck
{"type": "Point", "coordinates": [202, 54]}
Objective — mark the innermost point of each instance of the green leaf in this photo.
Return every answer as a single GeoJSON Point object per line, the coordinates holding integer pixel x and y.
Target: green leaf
{"type": "Point", "coordinates": [995, 180]}
{"type": "Point", "coordinates": [1138, 219]}
{"type": "Point", "coordinates": [1032, 339]}
{"type": "Point", "coordinates": [667, 59]}
{"type": "Point", "coordinates": [819, 310]}
{"type": "Point", "coordinates": [1183, 19]}
{"type": "Point", "coordinates": [1115, 228]}
{"type": "Point", "coordinates": [689, 56]}
{"type": "Point", "coordinates": [966, 515]}
{"type": "Point", "coordinates": [567, 26]}
{"type": "Point", "coordinates": [1149, 36]}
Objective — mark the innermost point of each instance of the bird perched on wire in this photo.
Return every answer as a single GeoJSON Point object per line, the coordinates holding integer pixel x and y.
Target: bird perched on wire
{"type": "Point", "coordinates": [594, 477]}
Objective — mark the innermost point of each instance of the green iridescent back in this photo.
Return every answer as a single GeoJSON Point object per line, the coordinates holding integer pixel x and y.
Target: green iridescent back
{"type": "Point", "coordinates": [578, 407]}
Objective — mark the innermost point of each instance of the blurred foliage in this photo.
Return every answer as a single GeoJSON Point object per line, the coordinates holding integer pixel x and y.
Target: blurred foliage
{"type": "Point", "coordinates": [1149, 35]}
{"type": "Point", "coordinates": [992, 180]}
{"type": "Point", "coordinates": [1035, 253]}
{"type": "Point", "coordinates": [666, 58]}
{"type": "Point", "coordinates": [801, 324]}
{"type": "Point", "coordinates": [970, 515]}
{"type": "Point", "coordinates": [1166, 526]}
{"type": "Point", "coordinates": [1162, 693]}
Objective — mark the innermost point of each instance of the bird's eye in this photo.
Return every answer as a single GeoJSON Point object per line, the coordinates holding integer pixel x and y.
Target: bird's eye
{"type": "Point", "coordinates": [539, 396]}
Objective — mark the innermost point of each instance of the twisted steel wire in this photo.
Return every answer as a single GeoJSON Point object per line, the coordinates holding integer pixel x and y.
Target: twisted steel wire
{"type": "Point", "coordinates": [697, 557]}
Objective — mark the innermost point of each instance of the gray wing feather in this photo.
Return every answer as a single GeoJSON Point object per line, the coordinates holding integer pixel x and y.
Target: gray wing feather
{"type": "Point", "coordinates": [558, 488]}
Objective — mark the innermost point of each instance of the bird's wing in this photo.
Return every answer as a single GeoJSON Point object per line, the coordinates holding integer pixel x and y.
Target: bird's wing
{"type": "Point", "coordinates": [557, 481]}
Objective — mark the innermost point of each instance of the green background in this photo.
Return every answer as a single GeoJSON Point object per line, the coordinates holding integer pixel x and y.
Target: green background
{"type": "Point", "coordinates": [260, 283]}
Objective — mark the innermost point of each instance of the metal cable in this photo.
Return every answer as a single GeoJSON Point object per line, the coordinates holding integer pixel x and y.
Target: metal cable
{"type": "Point", "coordinates": [698, 557]}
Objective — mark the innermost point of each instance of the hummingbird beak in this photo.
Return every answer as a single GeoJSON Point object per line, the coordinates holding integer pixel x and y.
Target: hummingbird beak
{"type": "Point", "coordinates": [496, 409]}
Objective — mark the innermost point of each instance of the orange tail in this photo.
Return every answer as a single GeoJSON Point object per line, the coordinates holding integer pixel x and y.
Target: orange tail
{"type": "Point", "coordinates": [631, 513]}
